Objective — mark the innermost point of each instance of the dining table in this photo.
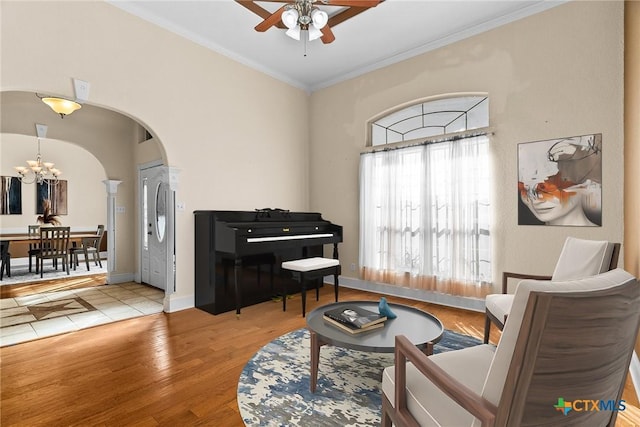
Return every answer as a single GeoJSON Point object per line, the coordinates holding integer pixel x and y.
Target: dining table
{"type": "Point", "coordinates": [25, 238]}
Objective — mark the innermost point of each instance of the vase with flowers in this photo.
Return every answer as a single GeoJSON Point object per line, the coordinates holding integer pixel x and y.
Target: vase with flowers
{"type": "Point", "coordinates": [48, 218]}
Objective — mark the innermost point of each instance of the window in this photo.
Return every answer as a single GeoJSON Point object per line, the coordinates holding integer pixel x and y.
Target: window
{"type": "Point", "coordinates": [432, 118]}
{"type": "Point", "coordinates": [425, 212]}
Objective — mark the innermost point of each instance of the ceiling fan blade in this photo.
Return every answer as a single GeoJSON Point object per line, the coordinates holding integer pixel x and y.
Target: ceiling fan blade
{"type": "Point", "coordinates": [327, 35]}
{"type": "Point", "coordinates": [346, 14]}
{"type": "Point", "coordinates": [270, 21]}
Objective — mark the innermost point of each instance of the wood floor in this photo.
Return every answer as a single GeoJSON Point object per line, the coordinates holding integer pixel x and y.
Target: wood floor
{"type": "Point", "coordinates": [174, 369]}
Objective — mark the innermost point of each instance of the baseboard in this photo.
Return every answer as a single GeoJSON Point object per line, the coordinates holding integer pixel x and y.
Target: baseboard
{"type": "Point", "coordinates": [472, 304]}
{"type": "Point", "coordinates": [177, 303]}
{"type": "Point", "coordinates": [113, 278]}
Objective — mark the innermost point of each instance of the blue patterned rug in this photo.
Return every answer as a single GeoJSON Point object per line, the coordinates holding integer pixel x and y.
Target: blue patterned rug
{"type": "Point", "coordinates": [273, 389]}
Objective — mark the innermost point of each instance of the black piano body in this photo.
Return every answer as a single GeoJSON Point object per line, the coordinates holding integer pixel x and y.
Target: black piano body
{"type": "Point", "coordinates": [238, 254]}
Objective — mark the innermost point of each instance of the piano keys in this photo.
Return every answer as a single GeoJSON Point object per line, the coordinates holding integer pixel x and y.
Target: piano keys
{"type": "Point", "coordinates": [253, 245]}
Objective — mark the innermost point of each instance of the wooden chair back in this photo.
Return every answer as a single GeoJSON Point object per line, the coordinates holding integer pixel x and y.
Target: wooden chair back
{"type": "Point", "coordinates": [54, 241]}
{"type": "Point", "coordinates": [34, 231]}
{"type": "Point", "coordinates": [571, 347]}
{"type": "Point", "coordinates": [94, 242]}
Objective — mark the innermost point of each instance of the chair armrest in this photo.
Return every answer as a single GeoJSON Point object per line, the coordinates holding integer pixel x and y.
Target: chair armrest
{"type": "Point", "coordinates": [475, 404]}
{"type": "Point", "coordinates": [506, 276]}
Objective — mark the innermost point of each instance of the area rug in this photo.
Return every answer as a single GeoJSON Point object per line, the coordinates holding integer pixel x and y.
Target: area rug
{"type": "Point", "coordinates": [273, 389]}
{"type": "Point", "coordinates": [21, 274]}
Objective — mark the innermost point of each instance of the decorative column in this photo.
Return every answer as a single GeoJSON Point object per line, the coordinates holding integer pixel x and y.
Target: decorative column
{"type": "Point", "coordinates": [112, 189]}
{"type": "Point", "coordinates": [173, 181]}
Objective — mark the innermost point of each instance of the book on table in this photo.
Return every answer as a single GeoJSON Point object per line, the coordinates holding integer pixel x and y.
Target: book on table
{"type": "Point", "coordinates": [354, 319]}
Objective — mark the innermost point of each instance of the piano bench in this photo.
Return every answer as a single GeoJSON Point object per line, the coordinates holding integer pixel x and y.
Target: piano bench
{"type": "Point", "coordinates": [307, 269]}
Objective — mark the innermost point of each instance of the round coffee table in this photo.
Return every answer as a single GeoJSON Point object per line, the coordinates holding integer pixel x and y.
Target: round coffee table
{"type": "Point", "coordinates": [421, 328]}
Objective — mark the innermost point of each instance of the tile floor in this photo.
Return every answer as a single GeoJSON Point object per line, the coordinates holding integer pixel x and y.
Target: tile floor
{"type": "Point", "coordinates": [51, 313]}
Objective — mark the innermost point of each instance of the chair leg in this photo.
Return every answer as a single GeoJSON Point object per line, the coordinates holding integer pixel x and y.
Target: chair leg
{"type": "Point", "coordinates": [284, 296]}
{"type": "Point", "coordinates": [303, 293]}
{"type": "Point", "coordinates": [86, 259]}
{"type": "Point", "coordinates": [336, 285]}
{"type": "Point", "coordinates": [487, 329]}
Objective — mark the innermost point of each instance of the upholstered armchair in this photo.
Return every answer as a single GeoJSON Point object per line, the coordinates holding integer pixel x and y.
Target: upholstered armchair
{"type": "Point", "coordinates": [579, 259]}
{"type": "Point", "coordinates": [564, 342]}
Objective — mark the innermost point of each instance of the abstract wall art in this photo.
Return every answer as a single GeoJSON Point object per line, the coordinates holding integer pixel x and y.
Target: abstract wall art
{"type": "Point", "coordinates": [11, 196]}
{"type": "Point", "coordinates": [560, 181]}
{"type": "Point", "coordinates": [57, 193]}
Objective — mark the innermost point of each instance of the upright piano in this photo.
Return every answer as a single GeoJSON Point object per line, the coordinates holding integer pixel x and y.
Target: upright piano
{"type": "Point", "coordinates": [232, 249]}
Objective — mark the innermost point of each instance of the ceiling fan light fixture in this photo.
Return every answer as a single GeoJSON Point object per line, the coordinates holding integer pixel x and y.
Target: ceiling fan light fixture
{"type": "Point", "coordinates": [61, 106]}
{"type": "Point", "coordinates": [294, 33]}
{"type": "Point", "coordinates": [290, 18]}
{"type": "Point", "coordinates": [314, 33]}
{"type": "Point", "coordinates": [319, 18]}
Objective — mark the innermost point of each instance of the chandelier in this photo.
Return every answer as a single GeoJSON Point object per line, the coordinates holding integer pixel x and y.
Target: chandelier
{"type": "Point", "coordinates": [37, 170]}
{"type": "Point", "coordinates": [302, 15]}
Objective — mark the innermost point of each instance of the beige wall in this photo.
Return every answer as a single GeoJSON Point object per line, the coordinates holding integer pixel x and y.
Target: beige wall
{"type": "Point", "coordinates": [555, 74]}
{"type": "Point", "coordinates": [239, 137]}
{"type": "Point", "coordinates": [87, 201]}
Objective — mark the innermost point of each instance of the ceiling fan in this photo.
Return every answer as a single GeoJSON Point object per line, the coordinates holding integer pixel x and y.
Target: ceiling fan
{"type": "Point", "coordinates": [300, 15]}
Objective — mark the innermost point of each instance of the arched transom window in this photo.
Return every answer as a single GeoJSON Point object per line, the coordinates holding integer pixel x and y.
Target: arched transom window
{"type": "Point", "coordinates": [431, 118]}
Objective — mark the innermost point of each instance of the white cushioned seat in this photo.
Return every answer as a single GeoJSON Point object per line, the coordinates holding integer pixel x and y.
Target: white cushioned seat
{"type": "Point", "coordinates": [307, 269]}
{"type": "Point", "coordinates": [469, 365]}
{"type": "Point", "coordinates": [499, 304]}
{"type": "Point", "coordinates": [310, 264]}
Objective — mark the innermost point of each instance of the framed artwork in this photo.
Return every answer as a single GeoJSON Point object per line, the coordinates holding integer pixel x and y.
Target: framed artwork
{"type": "Point", "coordinates": [560, 182]}
{"type": "Point", "coordinates": [11, 193]}
{"type": "Point", "coordinates": [57, 193]}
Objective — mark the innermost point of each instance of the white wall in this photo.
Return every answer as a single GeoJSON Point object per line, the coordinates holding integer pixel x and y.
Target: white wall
{"type": "Point", "coordinates": [555, 74]}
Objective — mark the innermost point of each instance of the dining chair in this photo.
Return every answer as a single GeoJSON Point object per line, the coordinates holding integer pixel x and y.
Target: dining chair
{"type": "Point", "coordinates": [90, 245]}
{"type": "Point", "coordinates": [54, 245]}
{"type": "Point", "coordinates": [5, 259]}
{"type": "Point", "coordinates": [34, 248]}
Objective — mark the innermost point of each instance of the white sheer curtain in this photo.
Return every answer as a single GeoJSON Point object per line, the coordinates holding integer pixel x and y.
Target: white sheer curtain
{"type": "Point", "coordinates": [424, 217]}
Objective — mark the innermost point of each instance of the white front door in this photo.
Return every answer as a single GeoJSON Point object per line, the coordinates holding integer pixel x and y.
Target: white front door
{"type": "Point", "coordinates": [155, 197]}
